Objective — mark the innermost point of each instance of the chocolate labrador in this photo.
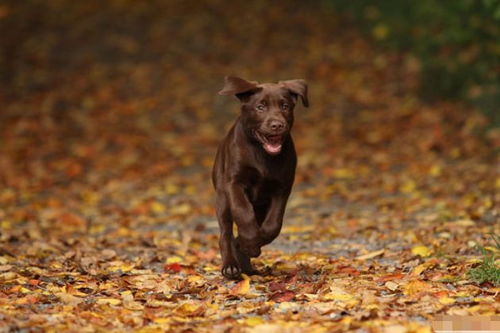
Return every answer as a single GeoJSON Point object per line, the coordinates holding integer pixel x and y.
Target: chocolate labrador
{"type": "Point", "coordinates": [254, 169]}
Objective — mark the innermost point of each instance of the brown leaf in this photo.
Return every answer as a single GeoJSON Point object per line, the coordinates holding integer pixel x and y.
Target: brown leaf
{"type": "Point", "coordinates": [282, 296]}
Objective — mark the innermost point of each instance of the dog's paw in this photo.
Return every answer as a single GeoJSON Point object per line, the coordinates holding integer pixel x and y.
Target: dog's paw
{"type": "Point", "coordinates": [232, 272]}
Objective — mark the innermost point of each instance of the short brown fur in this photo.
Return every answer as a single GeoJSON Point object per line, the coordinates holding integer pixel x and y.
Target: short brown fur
{"type": "Point", "coordinates": [254, 169]}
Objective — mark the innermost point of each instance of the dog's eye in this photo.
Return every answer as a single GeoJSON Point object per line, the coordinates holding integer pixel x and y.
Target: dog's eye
{"type": "Point", "coordinates": [284, 107]}
{"type": "Point", "coordinates": [260, 107]}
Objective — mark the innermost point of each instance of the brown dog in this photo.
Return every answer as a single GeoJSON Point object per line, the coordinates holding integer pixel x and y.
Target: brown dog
{"type": "Point", "coordinates": [254, 169]}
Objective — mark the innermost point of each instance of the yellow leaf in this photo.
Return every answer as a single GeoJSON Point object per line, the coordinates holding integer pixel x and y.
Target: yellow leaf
{"type": "Point", "coordinates": [370, 255]}
{"type": "Point", "coordinates": [418, 328]}
{"type": "Point", "coordinates": [346, 320]}
{"type": "Point", "coordinates": [190, 189]}
{"type": "Point", "coordinates": [415, 287]}
{"type": "Point", "coordinates": [474, 260]}
{"type": "Point", "coordinates": [337, 297]}
{"type": "Point", "coordinates": [123, 268]}
{"type": "Point", "coordinates": [171, 189]}
{"type": "Point", "coordinates": [421, 250]}
{"type": "Point", "coordinates": [465, 223]}
{"type": "Point", "coordinates": [109, 301]}
{"type": "Point", "coordinates": [419, 269]}
{"type": "Point", "coordinates": [242, 287]}
{"type": "Point", "coordinates": [253, 321]}
{"type": "Point", "coordinates": [463, 294]}
{"type": "Point", "coordinates": [445, 300]}
{"type": "Point", "coordinates": [190, 309]}
{"type": "Point", "coordinates": [492, 249]}
{"type": "Point", "coordinates": [173, 260]}
{"type": "Point", "coordinates": [97, 228]}
{"type": "Point", "coordinates": [408, 187]}
{"type": "Point", "coordinates": [297, 229]}
{"type": "Point", "coordinates": [343, 173]}
{"type": "Point", "coordinates": [133, 305]}
{"type": "Point", "coordinates": [337, 294]}
{"type": "Point", "coordinates": [210, 268]}
{"type": "Point", "coordinates": [162, 320]}
{"type": "Point", "coordinates": [181, 209]}
{"type": "Point", "coordinates": [158, 207]}
{"type": "Point", "coordinates": [90, 197]}
{"type": "Point", "coordinates": [195, 279]}
{"type": "Point", "coordinates": [435, 171]}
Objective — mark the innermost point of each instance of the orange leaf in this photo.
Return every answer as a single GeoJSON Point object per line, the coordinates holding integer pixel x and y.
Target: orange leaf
{"type": "Point", "coordinates": [390, 277]}
{"type": "Point", "coordinates": [242, 287]}
{"type": "Point", "coordinates": [415, 287]}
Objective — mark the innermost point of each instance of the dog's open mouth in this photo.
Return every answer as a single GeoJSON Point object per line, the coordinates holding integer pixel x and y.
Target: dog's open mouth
{"type": "Point", "coordinates": [271, 143]}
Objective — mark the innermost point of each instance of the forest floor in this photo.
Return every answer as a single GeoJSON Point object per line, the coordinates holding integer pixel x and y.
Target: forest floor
{"type": "Point", "coordinates": [108, 129]}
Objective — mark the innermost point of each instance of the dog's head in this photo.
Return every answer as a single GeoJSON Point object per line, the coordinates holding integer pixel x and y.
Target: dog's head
{"type": "Point", "coordinates": [267, 108]}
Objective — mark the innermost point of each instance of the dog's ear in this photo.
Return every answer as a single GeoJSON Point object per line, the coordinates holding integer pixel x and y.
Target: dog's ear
{"type": "Point", "coordinates": [297, 87]}
{"type": "Point", "coordinates": [238, 86]}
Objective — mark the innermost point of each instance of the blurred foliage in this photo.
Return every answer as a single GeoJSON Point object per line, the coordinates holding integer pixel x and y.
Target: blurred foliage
{"type": "Point", "coordinates": [456, 43]}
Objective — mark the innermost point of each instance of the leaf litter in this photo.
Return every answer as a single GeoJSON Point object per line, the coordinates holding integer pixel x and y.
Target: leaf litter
{"type": "Point", "coordinates": [106, 209]}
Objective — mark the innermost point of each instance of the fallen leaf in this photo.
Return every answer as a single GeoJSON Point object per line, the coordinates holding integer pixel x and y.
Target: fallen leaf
{"type": "Point", "coordinates": [190, 310]}
{"type": "Point", "coordinates": [69, 299]}
{"type": "Point", "coordinates": [173, 260]}
{"type": "Point", "coordinates": [108, 301]}
{"type": "Point", "coordinates": [282, 296]}
{"type": "Point", "coordinates": [465, 223]}
{"type": "Point", "coordinates": [253, 321]}
{"type": "Point", "coordinates": [266, 328]}
{"type": "Point", "coordinates": [242, 287]}
{"type": "Point", "coordinates": [445, 300]}
{"type": "Point", "coordinates": [421, 250]}
{"type": "Point", "coordinates": [415, 287]}
{"type": "Point", "coordinates": [174, 267]}
{"type": "Point", "coordinates": [371, 255]}
{"type": "Point", "coordinates": [390, 277]}
{"type": "Point", "coordinates": [419, 269]}
{"type": "Point", "coordinates": [5, 268]}
{"type": "Point", "coordinates": [157, 207]}
{"type": "Point", "coordinates": [391, 285]}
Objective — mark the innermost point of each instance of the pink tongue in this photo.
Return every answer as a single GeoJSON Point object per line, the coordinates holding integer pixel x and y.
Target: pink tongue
{"type": "Point", "coordinates": [273, 146]}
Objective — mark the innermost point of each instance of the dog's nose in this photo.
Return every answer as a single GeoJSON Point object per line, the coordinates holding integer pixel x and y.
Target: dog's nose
{"type": "Point", "coordinates": [276, 125]}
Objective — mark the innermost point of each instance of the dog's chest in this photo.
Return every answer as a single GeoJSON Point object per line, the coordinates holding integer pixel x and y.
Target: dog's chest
{"type": "Point", "coordinates": [260, 185]}
{"type": "Point", "coordinates": [262, 191]}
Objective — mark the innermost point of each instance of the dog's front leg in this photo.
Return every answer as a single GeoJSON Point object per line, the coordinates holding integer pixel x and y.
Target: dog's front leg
{"type": "Point", "coordinates": [230, 267]}
{"type": "Point", "coordinates": [248, 240]}
{"type": "Point", "coordinates": [271, 227]}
